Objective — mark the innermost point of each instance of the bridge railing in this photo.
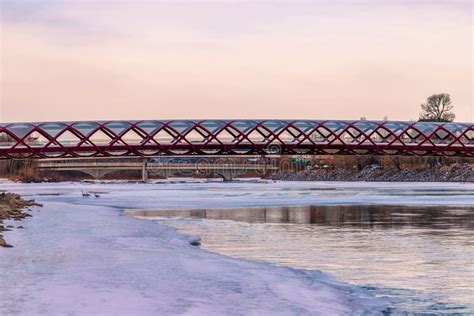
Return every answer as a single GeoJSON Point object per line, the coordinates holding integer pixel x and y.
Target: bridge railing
{"type": "Point", "coordinates": [234, 137]}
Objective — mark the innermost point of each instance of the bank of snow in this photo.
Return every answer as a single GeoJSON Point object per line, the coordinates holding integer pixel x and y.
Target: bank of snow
{"type": "Point", "coordinates": [89, 259]}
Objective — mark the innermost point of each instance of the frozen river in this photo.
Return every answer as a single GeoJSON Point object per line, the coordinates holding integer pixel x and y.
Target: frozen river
{"type": "Point", "coordinates": [422, 256]}
{"type": "Point", "coordinates": [81, 255]}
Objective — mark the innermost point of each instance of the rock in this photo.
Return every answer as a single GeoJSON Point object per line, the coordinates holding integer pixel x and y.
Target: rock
{"type": "Point", "coordinates": [454, 172]}
{"type": "Point", "coordinates": [194, 240]}
{"type": "Point", "coordinates": [4, 214]}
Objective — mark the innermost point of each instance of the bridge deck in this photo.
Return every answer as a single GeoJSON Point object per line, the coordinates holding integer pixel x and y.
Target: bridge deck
{"type": "Point", "coordinates": [157, 166]}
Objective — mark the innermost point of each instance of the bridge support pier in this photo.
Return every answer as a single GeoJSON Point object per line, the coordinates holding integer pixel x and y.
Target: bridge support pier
{"type": "Point", "coordinates": [144, 170]}
{"type": "Point", "coordinates": [227, 175]}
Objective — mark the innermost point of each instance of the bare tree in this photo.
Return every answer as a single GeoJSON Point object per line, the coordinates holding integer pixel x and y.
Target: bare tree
{"type": "Point", "coordinates": [438, 108]}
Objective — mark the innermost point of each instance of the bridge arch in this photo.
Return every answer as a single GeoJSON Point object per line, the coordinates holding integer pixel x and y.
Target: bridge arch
{"type": "Point", "coordinates": [93, 173]}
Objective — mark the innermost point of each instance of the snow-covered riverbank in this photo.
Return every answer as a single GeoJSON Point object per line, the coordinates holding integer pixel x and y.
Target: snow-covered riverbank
{"type": "Point", "coordinates": [82, 256]}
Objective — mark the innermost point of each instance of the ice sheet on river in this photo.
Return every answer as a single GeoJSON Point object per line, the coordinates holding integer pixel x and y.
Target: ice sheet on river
{"type": "Point", "coordinates": [182, 194]}
{"type": "Point", "coordinates": [81, 256]}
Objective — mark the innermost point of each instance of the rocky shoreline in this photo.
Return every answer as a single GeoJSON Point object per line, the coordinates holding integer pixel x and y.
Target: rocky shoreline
{"type": "Point", "coordinates": [453, 173]}
{"type": "Point", "coordinates": [12, 208]}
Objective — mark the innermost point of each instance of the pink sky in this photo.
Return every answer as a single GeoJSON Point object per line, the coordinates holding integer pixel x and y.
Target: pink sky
{"type": "Point", "coordinates": [87, 60]}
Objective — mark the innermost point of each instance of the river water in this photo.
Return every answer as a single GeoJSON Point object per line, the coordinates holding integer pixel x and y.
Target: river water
{"type": "Point", "coordinates": [420, 257]}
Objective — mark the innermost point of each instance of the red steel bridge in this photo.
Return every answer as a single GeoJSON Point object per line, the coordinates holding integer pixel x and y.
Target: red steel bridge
{"type": "Point", "coordinates": [234, 137]}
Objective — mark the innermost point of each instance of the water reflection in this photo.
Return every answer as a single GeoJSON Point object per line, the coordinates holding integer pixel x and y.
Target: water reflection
{"type": "Point", "coordinates": [368, 216]}
{"type": "Point", "coordinates": [423, 256]}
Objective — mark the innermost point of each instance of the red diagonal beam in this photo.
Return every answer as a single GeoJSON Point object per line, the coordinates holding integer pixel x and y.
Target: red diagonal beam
{"type": "Point", "coordinates": [21, 140]}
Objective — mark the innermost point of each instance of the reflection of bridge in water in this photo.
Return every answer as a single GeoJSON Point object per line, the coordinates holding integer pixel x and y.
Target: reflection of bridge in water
{"type": "Point", "coordinates": [366, 216]}
{"type": "Point", "coordinates": [234, 137]}
{"type": "Point", "coordinates": [227, 168]}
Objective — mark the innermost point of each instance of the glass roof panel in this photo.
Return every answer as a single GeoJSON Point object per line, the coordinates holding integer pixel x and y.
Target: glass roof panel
{"type": "Point", "coordinates": [181, 126]}
{"type": "Point", "coordinates": [20, 130]}
{"type": "Point", "coordinates": [396, 127]}
{"type": "Point", "coordinates": [53, 129]}
{"type": "Point", "coordinates": [212, 126]}
{"type": "Point", "coordinates": [426, 127]}
{"type": "Point", "coordinates": [244, 126]}
{"type": "Point", "coordinates": [149, 126]}
{"type": "Point", "coordinates": [118, 127]}
{"type": "Point", "coordinates": [274, 126]}
{"type": "Point", "coordinates": [335, 126]}
{"type": "Point", "coordinates": [305, 126]}
{"type": "Point", "coordinates": [366, 126]}
{"type": "Point", "coordinates": [455, 128]}
{"type": "Point", "coordinates": [86, 127]}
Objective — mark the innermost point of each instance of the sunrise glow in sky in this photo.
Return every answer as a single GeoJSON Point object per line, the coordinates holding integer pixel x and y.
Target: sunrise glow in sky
{"type": "Point", "coordinates": [90, 60]}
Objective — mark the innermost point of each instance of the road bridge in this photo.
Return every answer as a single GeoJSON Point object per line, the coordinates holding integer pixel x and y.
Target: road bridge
{"type": "Point", "coordinates": [98, 168]}
{"type": "Point", "coordinates": [234, 137]}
